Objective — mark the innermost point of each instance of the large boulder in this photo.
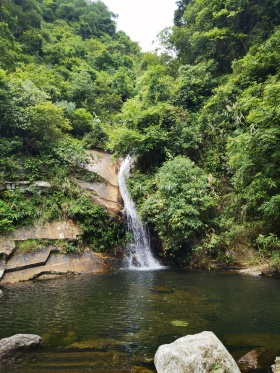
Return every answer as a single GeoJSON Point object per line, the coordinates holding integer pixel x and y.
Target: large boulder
{"type": "Point", "coordinates": [198, 353]}
{"type": "Point", "coordinates": [18, 342]}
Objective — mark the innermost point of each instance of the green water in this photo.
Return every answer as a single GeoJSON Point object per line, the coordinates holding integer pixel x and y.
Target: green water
{"type": "Point", "coordinates": [115, 321]}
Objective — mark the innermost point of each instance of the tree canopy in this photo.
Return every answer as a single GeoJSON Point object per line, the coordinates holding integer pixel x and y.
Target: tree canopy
{"type": "Point", "coordinates": [201, 119]}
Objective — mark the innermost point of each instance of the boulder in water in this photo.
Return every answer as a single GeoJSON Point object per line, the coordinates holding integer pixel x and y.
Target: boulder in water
{"type": "Point", "coordinates": [250, 361]}
{"type": "Point", "coordinates": [198, 353]}
{"type": "Point", "coordinates": [18, 342]}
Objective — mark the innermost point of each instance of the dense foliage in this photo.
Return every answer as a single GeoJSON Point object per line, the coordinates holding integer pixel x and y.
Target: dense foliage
{"type": "Point", "coordinates": [64, 71]}
{"type": "Point", "coordinates": [201, 119]}
{"type": "Point", "coordinates": [216, 104]}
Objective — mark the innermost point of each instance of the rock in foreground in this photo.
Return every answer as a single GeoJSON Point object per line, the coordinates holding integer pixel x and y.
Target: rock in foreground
{"type": "Point", "coordinates": [18, 342]}
{"type": "Point", "coordinates": [198, 353]}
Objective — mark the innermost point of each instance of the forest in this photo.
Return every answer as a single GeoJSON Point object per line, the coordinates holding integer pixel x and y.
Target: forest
{"type": "Point", "coordinates": [201, 117]}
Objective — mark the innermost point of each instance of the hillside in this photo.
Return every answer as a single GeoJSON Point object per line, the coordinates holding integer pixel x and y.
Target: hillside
{"type": "Point", "coordinates": [201, 119]}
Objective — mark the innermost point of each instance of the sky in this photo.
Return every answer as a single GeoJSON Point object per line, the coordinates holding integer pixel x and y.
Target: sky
{"type": "Point", "coordinates": [142, 20]}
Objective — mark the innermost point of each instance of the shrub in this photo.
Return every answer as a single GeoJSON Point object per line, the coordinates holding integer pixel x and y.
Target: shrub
{"type": "Point", "coordinates": [180, 206]}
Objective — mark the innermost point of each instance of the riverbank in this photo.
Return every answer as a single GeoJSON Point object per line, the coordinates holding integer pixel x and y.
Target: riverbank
{"type": "Point", "coordinates": [55, 249]}
{"type": "Point", "coordinates": [53, 261]}
{"type": "Point", "coordinates": [49, 251]}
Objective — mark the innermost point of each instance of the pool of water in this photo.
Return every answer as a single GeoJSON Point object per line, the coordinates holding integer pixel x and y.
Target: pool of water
{"type": "Point", "coordinates": [114, 322]}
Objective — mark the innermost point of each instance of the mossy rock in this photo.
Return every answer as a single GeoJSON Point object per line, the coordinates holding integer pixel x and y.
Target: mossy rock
{"type": "Point", "coordinates": [179, 323]}
{"type": "Point", "coordinates": [57, 337]}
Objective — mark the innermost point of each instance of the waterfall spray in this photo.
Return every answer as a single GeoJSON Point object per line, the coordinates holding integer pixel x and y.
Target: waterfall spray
{"type": "Point", "coordinates": [138, 252]}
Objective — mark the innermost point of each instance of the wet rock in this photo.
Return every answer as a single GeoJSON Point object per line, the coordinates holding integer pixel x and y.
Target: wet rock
{"type": "Point", "coordinates": [268, 345]}
{"type": "Point", "coordinates": [199, 353]}
{"type": "Point", "coordinates": [18, 342]}
{"type": "Point", "coordinates": [250, 361]}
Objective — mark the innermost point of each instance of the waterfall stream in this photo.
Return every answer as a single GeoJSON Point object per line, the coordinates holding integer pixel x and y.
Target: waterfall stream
{"type": "Point", "coordinates": [138, 251]}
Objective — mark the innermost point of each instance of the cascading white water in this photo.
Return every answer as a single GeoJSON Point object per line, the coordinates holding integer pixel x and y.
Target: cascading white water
{"type": "Point", "coordinates": [138, 252]}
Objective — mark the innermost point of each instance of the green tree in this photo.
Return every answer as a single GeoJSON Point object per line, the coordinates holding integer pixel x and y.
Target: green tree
{"type": "Point", "coordinates": [179, 206]}
{"type": "Point", "coordinates": [81, 121]}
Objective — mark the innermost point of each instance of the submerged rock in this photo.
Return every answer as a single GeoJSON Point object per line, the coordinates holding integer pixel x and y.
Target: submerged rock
{"type": "Point", "coordinates": [198, 353]}
{"type": "Point", "coordinates": [162, 289]}
{"type": "Point", "coordinates": [250, 361]}
{"type": "Point", "coordinates": [179, 323]}
{"type": "Point", "coordinates": [101, 343]}
{"type": "Point", "coordinates": [18, 342]}
{"type": "Point", "coordinates": [59, 337]}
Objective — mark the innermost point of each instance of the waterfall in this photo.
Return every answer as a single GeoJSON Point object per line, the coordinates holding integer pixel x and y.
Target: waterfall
{"type": "Point", "coordinates": [138, 251]}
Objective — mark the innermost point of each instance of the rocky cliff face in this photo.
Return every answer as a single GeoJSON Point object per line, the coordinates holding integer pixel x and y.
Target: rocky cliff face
{"type": "Point", "coordinates": [50, 261]}
{"type": "Point", "coordinates": [65, 230]}
{"type": "Point", "coordinates": [107, 192]}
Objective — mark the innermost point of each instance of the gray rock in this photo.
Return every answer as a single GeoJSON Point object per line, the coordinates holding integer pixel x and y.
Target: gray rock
{"type": "Point", "coordinates": [22, 260]}
{"type": "Point", "coordinates": [276, 367]}
{"type": "Point", "coordinates": [41, 184]}
{"type": "Point", "coordinates": [18, 342]}
{"type": "Point", "coordinates": [60, 264]}
{"type": "Point", "coordinates": [198, 353]}
{"type": "Point", "coordinates": [7, 246]}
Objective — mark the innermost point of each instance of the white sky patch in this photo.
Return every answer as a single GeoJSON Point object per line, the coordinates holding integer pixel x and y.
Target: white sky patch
{"type": "Point", "coordinates": [142, 20]}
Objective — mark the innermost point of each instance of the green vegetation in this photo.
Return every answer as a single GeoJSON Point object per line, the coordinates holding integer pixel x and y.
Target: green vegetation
{"type": "Point", "coordinates": [64, 73]}
{"type": "Point", "coordinates": [215, 108]}
{"type": "Point", "coordinates": [201, 119]}
{"type": "Point", "coordinates": [28, 246]}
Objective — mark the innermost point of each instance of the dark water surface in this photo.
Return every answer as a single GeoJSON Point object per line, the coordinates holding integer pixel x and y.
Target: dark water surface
{"type": "Point", "coordinates": [113, 322]}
